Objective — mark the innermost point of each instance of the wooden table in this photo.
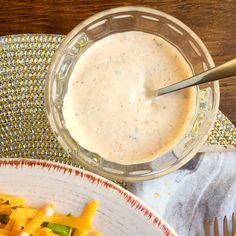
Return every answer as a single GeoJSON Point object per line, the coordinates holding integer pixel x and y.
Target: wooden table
{"type": "Point", "coordinates": [213, 20]}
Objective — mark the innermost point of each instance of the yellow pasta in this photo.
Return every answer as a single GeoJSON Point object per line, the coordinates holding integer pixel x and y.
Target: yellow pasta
{"type": "Point", "coordinates": [18, 219]}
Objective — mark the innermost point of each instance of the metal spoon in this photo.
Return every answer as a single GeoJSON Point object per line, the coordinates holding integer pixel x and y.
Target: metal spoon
{"type": "Point", "coordinates": [219, 72]}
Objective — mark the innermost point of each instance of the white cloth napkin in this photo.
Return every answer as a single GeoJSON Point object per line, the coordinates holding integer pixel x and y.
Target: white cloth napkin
{"type": "Point", "coordinates": [204, 188]}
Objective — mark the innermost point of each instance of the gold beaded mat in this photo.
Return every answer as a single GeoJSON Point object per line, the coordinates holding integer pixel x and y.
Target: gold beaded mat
{"type": "Point", "coordinates": [24, 128]}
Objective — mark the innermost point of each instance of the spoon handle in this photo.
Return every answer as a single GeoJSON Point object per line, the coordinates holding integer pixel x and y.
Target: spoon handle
{"type": "Point", "coordinates": [219, 72]}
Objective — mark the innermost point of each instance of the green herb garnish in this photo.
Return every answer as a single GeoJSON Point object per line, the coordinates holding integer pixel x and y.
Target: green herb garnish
{"type": "Point", "coordinates": [4, 219]}
{"type": "Point", "coordinates": [59, 229]}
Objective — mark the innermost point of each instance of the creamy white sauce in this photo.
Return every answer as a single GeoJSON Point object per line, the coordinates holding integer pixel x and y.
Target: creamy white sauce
{"type": "Point", "coordinates": [107, 109]}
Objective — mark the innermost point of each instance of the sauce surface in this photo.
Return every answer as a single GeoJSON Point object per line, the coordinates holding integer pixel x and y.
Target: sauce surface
{"type": "Point", "coordinates": [107, 109]}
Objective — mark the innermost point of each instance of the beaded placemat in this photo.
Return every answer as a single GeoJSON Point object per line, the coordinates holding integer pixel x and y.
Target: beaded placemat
{"type": "Point", "coordinates": [24, 128]}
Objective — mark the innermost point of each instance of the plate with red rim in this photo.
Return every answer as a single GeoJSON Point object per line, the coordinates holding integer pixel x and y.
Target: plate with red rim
{"type": "Point", "coordinates": [120, 213]}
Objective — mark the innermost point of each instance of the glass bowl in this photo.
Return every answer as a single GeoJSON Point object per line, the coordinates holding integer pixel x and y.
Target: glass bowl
{"type": "Point", "coordinates": [124, 19]}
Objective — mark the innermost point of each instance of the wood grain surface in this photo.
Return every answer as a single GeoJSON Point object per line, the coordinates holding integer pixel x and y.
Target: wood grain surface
{"type": "Point", "coordinates": [214, 21]}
